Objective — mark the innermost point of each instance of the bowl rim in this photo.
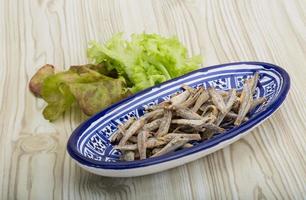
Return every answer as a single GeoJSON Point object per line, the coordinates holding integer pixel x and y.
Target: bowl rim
{"type": "Point", "coordinates": [74, 153]}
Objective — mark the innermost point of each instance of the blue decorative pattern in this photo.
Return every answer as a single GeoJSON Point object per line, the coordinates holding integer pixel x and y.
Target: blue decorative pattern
{"type": "Point", "coordinates": [99, 148]}
{"type": "Point", "coordinates": [93, 142]}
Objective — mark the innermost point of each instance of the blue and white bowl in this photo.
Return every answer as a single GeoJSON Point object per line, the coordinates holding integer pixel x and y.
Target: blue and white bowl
{"type": "Point", "coordinates": [90, 147]}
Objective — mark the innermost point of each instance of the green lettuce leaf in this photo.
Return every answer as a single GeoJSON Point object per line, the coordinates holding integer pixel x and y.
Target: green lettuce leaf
{"type": "Point", "coordinates": [120, 67]}
{"type": "Point", "coordinates": [59, 104]}
{"type": "Point", "coordinates": [37, 80]}
{"type": "Point", "coordinates": [145, 60]}
{"type": "Point", "coordinates": [62, 89]}
{"type": "Point", "coordinates": [92, 97]}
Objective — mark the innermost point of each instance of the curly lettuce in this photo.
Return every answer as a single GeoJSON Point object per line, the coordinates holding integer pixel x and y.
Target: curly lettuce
{"type": "Point", "coordinates": [145, 60]}
{"type": "Point", "coordinates": [120, 67]}
{"type": "Point", "coordinates": [85, 84]}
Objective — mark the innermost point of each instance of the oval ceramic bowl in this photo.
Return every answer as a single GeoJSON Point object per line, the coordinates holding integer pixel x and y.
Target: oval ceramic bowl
{"type": "Point", "coordinates": [89, 144]}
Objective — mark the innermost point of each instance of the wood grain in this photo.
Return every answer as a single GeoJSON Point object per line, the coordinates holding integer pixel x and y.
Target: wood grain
{"type": "Point", "coordinates": [269, 163]}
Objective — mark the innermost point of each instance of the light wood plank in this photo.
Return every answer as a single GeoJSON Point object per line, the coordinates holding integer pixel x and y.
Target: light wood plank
{"type": "Point", "coordinates": [269, 163]}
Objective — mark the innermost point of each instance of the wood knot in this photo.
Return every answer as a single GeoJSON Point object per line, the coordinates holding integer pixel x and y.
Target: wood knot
{"type": "Point", "coordinates": [37, 143]}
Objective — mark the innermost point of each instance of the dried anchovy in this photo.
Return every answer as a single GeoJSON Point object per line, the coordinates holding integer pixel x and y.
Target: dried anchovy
{"type": "Point", "coordinates": [189, 122]}
{"type": "Point", "coordinates": [141, 142]}
{"type": "Point", "coordinates": [192, 115]}
{"type": "Point", "coordinates": [231, 100]}
{"type": "Point", "coordinates": [153, 125]}
{"type": "Point", "coordinates": [121, 128]}
{"type": "Point", "coordinates": [154, 142]}
{"type": "Point", "coordinates": [174, 144]}
{"type": "Point", "coordinates": [180, 98]}
{"type": "Point", "coordinates": [253, 82]}
{"type": "Point", "coordinates": [165, 124]}
{"type": "Point", "coordinates": [187, 113]}
{"type": "Point", "coordinates": [217, 99]}
{"type": "Point", "coordinates": [192, 99]}
{"type": "Point", "coordinates": [246, 101]}
{"type": "Point", "coordinates": [152, 115]}
{"type": "Point", "coordinates": [126, 147]}
{"type": "Point", "coordinates": [132, 130]}
{"type": "Point", "coordinates": [171, 136]}
{"type": "Point", "coordinates": [211, 127]}
{"type": "Point", "coordinates": [201, 100]}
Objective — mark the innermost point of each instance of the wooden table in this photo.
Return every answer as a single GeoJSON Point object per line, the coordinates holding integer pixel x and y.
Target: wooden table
{"type": "Point", "coordinates": [269, 163]}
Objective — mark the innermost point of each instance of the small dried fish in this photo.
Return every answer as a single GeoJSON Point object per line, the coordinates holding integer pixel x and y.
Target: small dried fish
{"type": "Point", "coordinates": [138, 124]}
{"type": "Point", "coordinates": [150, 143]}
{"type": "Point", "coordinates": [192, 115]}
{"type": "Point", "coordinates": [165, 124]}
{"type": "Point", "coordinates": [189, 122]}
{"type": "Point", "coordinates": [153, 142]}
{"type": "Point", "coordinates": [153, 125]}
{"type": "Point", "coordinates": [253, 82]}
{"type": "Point", "coordinates": [126, 147]}
{"type": "Point", "coordinates": [217, 100]}
{"type": "Point", "coordinates": [231, 100]}
{"type": "Point", "coordinates": [192, 99]}
{"type": "Point", "coordinates": [142, 147]}
{"type": "Point", "coordinates": [174, 144]}
{"type": "Point", "coordinates": [202, 99]}
{"type": "Point", "coordinates": [186, 113]}
{"type": "Point", "coordinates": [121, 128]}
{"type": "Point", "coordinates": [152, 115]}
{"type": "Point", "coordinates": [211, 127]}
{"type": "Point", "coordinates": [180, 98]}
{"type": "Point", "coordinates": [246, 102]}
{"type": "Point", "coordinates": [188, 136]}
{"type": "Point", "coordinates": [116, 136]}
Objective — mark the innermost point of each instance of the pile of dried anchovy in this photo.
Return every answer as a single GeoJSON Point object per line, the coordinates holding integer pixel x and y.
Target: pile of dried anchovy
{"type": "Point", "coordinates": [193, 115]}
